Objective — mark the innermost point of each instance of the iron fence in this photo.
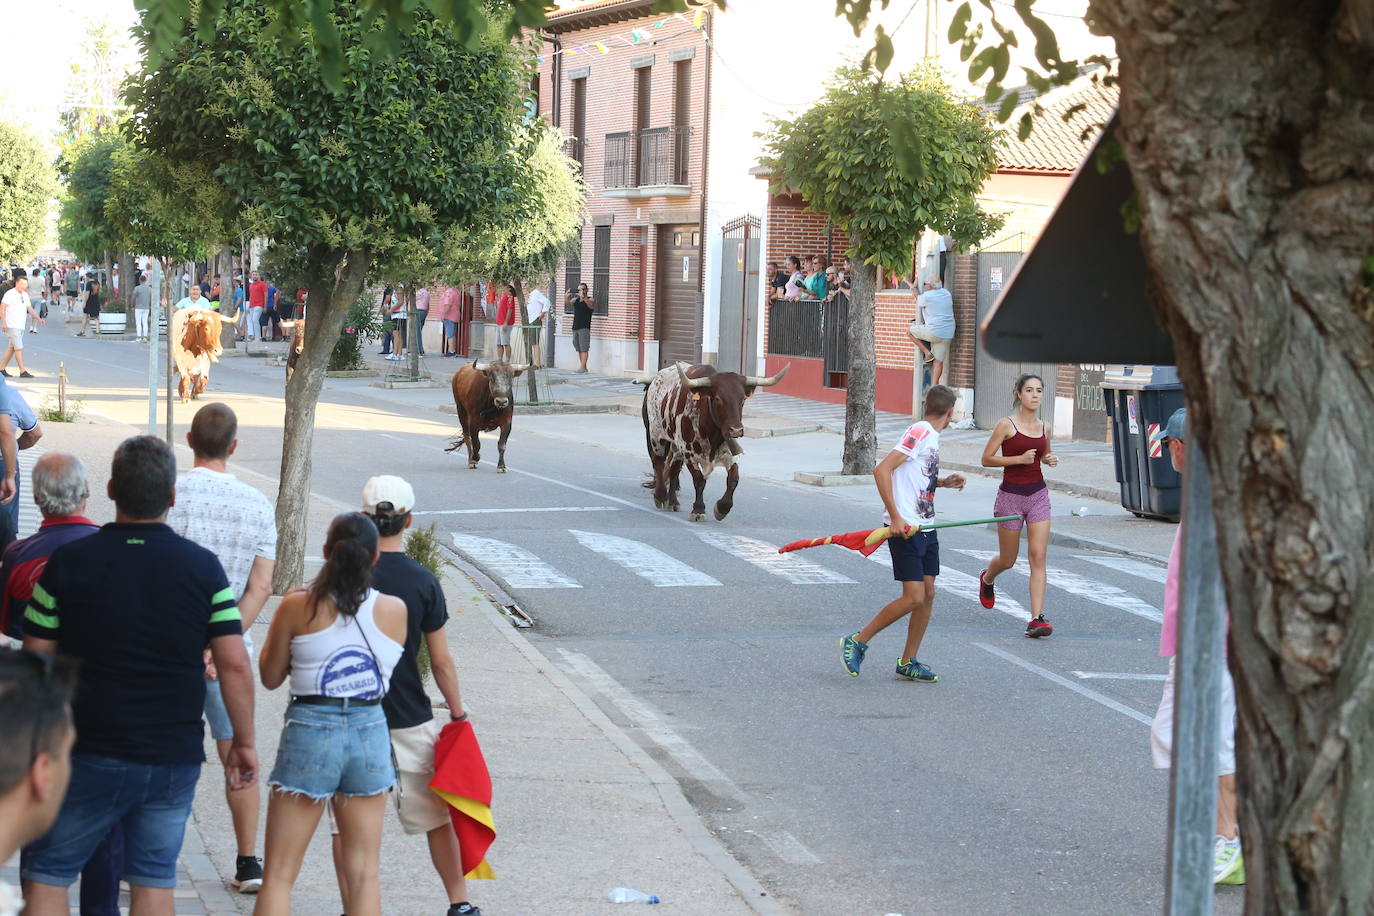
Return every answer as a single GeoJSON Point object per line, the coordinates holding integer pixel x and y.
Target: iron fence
{"type": "Point", "coordinates": [617, 161]}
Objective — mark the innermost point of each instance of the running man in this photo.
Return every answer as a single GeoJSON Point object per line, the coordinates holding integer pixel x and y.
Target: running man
{"type": "Point", "coordinates": [1025, 442]}
{"type": "Point", "coordinates": [907, 479]}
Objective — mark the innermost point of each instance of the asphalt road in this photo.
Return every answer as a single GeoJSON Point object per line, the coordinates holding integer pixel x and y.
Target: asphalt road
{"type": "Point", "coordinates": [1019, 783]}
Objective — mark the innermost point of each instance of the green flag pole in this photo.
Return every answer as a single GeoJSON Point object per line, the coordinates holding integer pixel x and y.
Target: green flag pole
{"type": "Point", "coordinates": [972, 521]}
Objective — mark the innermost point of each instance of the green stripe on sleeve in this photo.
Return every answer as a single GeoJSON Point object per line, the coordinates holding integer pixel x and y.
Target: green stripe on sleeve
{"type": "Point", "coordinates": [40, 594]}
{"type": "Point", "coordinates": [223, 595]}
{"type": "Point", "coordinates": [47, 621]}
{"type": "Point", "coordinates": [223, 616]}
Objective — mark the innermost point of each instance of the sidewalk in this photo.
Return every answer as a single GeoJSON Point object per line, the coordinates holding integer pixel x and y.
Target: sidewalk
{"type": "Point", "coordinates": [580, 808]}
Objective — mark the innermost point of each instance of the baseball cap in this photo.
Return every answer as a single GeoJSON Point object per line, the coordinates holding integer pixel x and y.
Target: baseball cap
{"type": "Point", "coordinates": [387, 495]}
{"type": "Point", "coordinates": [1176, 427]}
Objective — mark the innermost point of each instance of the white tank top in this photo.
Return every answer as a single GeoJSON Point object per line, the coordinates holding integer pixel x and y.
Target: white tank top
{"type": "Point", "coordinates": [349, 658]}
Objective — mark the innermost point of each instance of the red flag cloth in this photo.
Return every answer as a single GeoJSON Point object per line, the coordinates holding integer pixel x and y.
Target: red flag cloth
{"type": "Point", "coordinates": [865, 542]}
{"type": "Point", "coordinates": [462, 780]}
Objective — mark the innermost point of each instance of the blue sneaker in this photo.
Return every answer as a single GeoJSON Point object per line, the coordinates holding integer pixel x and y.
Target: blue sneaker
{"type": "Point", "coordinates": [912, 670]}
{"type": "Point", "coordinates": [853, 652]}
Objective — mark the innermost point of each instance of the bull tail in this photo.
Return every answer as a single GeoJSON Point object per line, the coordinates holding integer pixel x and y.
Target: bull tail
{"type": "Point", "coordinates": [648, 482]}
{"type": "Point", "coordinates": [457, 443]}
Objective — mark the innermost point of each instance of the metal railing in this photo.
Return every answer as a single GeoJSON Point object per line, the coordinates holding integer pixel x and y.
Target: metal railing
{"type": "Point", "coordinates": [794, 329]}
{"type": "Point", "coordinates": [663, 156]}
{"type": "Point", "coordinates": [617, 162]}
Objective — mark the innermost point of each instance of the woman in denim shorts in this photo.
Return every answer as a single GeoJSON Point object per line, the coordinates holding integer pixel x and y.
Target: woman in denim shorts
{"type": "Point", "coordinates": [338, 642]}
{"type": "Point", "coordinates": [1025, 443]}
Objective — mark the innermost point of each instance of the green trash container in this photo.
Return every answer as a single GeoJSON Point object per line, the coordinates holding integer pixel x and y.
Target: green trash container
{"type": "Point", "coordinates": [1139, 401]}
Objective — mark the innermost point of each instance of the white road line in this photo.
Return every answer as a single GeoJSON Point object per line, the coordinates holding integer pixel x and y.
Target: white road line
{"type": "Point", "coordinates": [1127, 565]}
{"type": "Point", "coordinates": [516, 565]}
{"type": "Point", "coordinates": [1115, 676]}
{"type": "Point", "coordinates": [765, 556]}
{"type": "Point", "coordinates": [963, 585]}
{"type": "Point", "coordinates": [647, 719]}
{"type": "Point", "coordinates": [647, 562]}
{"type": "Point", "coordinates": [514, 510]}
{"type": "Point", "coordinates": [1083, 587]}
{"type": "Point", "coordinates": [1065, 682]}
{"type": "Point", "coordinates": [787, 847]}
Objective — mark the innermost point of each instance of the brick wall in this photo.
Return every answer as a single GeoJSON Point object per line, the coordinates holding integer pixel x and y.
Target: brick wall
{"type": "Point", "coordinates": [1066, 380]}
{"type": "Point", "coordinates": [963, 287]}
{"type": "Point", "coordinates": [610, 108]}
{"type": "Point", "coordinates": [794, 230]}
{"type": "Point", "coordinates": [893, 311]}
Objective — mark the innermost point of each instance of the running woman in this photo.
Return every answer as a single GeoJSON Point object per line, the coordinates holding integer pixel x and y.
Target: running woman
{"type": "Point", "coordinates": [1025, 442]}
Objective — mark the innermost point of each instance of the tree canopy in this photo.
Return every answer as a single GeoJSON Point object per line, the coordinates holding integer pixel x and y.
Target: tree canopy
{"type": "Point", "coordinates": [164, 208]}
{"type": "Point", "coordinates": [27, 186]}
{"type": "Point", "coordinates": [88, 166]}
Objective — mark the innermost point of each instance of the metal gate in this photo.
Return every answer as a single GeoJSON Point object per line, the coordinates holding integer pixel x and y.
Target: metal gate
{"type": "Point", "coordinates": [993, 381]}
{"type": "Point", "coordinates": [738, 344]}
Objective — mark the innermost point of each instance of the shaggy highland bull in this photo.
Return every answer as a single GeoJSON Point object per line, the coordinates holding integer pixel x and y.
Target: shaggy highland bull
{"type": "Point", "coordinates": [482, 394]}
{"type": "Point", "coordinates": [195, 345]}
{"type": "Point", "coordinates": [692, 416]}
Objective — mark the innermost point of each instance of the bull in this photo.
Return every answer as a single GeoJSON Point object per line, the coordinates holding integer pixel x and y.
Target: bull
{"type": "Point", "coordinates": [195, 335]}
{"type": "Point", "coordinates": [293, 352]}
{"type": "Point", "coordinates": [693, 416]}
{"type": "Point", "coordinates": [482, 395]}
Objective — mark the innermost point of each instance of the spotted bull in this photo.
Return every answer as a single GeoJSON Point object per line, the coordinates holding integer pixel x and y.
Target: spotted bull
{"type": "Point", "coordinates": [482, 393]}
{"type": "Point", "coordinates": [692, 416]}
{"type": "Point", "coordinates": [196, 344]}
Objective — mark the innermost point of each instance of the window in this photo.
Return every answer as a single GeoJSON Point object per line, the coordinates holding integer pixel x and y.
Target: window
{"type": "Point", "coordinates": [572, 271]}
{"type": "Point", "coordinates": [682, 108]}
{"type": "Point", "coordinates": [643, 86]}
{"type": "Point", "coordinates": [532, 99]}
{"type": "Point", "coordinates": [579, 118]}
{"type": "Point", "coordinates": [601, 269]}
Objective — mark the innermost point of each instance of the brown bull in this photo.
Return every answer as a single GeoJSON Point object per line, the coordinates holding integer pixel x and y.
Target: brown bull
{"type": "Point", "coordinates": [692, 416]}
{"type": "Point", "coordinates": [482, 395]}
{"type": "Point", "coordinates": [195, 335]}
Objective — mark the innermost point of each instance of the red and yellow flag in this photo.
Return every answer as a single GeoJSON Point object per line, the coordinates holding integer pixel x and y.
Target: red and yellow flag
{"type": "Point", "coordinates": [461, 779]}
{"type": "Point", "coordinates": [865, 542]}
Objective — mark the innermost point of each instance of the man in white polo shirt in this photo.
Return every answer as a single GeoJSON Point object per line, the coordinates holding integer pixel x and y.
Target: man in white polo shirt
{"type": "Point", "coordinates": [16, 310]}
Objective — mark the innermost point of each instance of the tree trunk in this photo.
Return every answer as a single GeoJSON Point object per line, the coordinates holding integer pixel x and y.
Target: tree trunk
{"type": "Point", "coordinates": [330, 298]}
{"type": "Point", "coordinates": [861, 392]}
{"type": "Point", "coordinates": [127, 282]}
{"type": "Point", "coordinates": [413, 331]}
{"type": "Point", "coordinates": [531, 339]}
{"type": "Point", "coordinates": [1247, 129]}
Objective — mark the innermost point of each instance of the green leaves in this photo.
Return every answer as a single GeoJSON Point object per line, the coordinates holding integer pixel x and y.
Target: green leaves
{"type": "Point", "coordinates": [959, 24]}
{"type": "Point", "coordinates": [880, 55]}
{"type": "Point", "coordinates": [28, 184]}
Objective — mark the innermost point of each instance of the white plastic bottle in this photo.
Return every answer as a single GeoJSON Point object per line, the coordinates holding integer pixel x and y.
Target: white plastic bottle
{"type": "Point", "coordinates": [629, 895]}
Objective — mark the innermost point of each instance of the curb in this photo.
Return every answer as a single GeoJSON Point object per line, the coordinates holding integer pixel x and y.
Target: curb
{"type": "Point", "coordinates": [751, 892]}
{"type": "Point", "coordinates": [210, 886]}
{"type": "Point", "coordinates": [830, 478]}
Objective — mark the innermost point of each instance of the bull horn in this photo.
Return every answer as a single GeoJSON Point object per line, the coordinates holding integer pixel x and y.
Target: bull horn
{"type": "Point", "coordinates": [643, 380]}
{"type": "Point", "coordinates": [691, 382]}
{"type": "Point", "coordinates": [481, 365]}
{"type": "Point", "coordinates": [756, 382]}
{"type": "Point", "coordinates": [234, 318]}
{"type": "Point", "coordinates": [519, 367]}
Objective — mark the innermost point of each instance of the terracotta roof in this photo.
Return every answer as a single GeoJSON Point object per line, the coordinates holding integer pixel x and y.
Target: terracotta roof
{"type": "Point", "coordinates": [1056, 145]}
{"type": "Point", "coordinates": [589, 13]}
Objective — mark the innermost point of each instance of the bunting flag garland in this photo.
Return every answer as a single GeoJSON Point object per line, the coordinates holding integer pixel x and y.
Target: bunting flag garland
{"type": "Point", "coordinates": [699, 18]}
{"type": "Point", "coordinates": [602, 48]}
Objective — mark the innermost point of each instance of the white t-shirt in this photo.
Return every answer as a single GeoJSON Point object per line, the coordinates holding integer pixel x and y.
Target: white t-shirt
{"type": "Point", "coordinates": [913, 483]}
{"type": "Point", "coordinates": [229, 518]}
{"type": "Point", "coordinates": [538, 306]}
{"type": "Point", "coordinates": [16, 306]}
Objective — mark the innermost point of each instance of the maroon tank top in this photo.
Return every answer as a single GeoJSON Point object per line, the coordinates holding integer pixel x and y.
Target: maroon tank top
{"type": "Point", "coordinates": [1023, 479]}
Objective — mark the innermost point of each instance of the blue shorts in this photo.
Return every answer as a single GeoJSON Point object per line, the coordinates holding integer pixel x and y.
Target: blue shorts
{"type": "Point", "coordinates": [151, 802]}
{"type": "Point", "coordinates": [915, 557]}
{"type": "Point", "coordinates": [330, 750]}
{"type": "Point", "coordinates": [450, 328]}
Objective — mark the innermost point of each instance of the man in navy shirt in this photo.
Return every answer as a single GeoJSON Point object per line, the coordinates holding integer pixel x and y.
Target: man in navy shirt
{"type": "Point", "coordinates": [136, 604]}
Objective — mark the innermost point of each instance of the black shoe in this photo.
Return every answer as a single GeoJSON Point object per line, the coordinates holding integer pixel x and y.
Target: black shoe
{"type": "Point", "coordinates": [25, 374]}
{"type": "Point", "coordinates": [6, 373]}
{"type": "Point", "coordinates": [464, 909]}
{"type": "Point", "coordinates": [248, 877]}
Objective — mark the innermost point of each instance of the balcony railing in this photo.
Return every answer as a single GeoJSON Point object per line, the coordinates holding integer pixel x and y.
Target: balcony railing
{"type": "Point", "coordinates": [657, 157]}
{"type": "Point", "coordinates": [617, 172]}
{"type": "Point", "coordinates": [663, 156]}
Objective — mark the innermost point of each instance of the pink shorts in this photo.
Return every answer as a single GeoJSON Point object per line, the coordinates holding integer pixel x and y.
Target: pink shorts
{"type": "Point", "coordinates": [1034, 507]}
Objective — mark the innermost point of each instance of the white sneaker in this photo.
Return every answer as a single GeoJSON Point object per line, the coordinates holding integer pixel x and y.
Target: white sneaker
{"type": "Point", "coordinates": [1227, 864]}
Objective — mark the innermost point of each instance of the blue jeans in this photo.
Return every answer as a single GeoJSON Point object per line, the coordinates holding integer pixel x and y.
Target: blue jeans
{"type": "Point", "coordinates": [9, 515]}
{"type": "Point", "coordinates": [100, 877]}
{"type": "Point", "coordinates": [149, 801]}
{"type": "Point", "coordinates": [421, 315]}
{"type": "Point", "coordinates": [333, 750]}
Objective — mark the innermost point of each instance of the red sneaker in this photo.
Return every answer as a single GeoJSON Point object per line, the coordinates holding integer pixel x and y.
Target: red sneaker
{"type": "Point", "coordinates": [1038, 627]}
{"type": "Point", "coordinates": [986, 596]}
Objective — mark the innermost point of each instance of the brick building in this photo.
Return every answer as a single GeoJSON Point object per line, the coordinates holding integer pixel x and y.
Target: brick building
{"type": "Point", "coordinates": [629, 91]}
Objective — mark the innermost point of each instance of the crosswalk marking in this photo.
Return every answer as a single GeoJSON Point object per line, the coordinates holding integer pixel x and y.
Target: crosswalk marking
{"type": "Point", "coordinates": [1115, 676]}
{"type": "Point", "coordinates": [29, 515]}
{"type": "Point", "coordinates": [647, 562]}
{"type": "Point", "coordinates": [1083, 587]}
{"type": "Point", "coordinates": [517, 509]}
{"type": "Point", "coordinates": [766, 557]}
{"type": "Point", "coordinates": [516, 565]}
{"type": "Point", "coordinates": [1127, 565]}
{"type": "Point", "coordinates": [963, 585]}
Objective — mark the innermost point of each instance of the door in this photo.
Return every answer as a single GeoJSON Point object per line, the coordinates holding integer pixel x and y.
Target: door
{"type": "Point", "coordinates": [993, 380]}
{"type": "Point", "coordinates": [739, 297]}
{"type": "Point", "coordinates": [677, 309]}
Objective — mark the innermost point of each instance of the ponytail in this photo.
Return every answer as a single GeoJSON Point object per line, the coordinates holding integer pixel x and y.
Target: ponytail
{"type": "Point", "coordinates": [349, 549]}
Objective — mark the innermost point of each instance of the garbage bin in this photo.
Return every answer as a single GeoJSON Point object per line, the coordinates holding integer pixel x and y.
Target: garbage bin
{"type": "Point", "coordinates": [1139, 401]}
